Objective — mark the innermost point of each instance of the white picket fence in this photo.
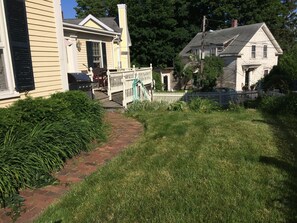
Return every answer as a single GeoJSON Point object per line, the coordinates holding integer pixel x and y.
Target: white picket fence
{"type": "Point", "coordinates": [122, 81]}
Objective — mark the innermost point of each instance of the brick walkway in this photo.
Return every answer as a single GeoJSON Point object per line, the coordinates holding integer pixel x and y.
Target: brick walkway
{"type": "Point", "coordinates": [124, 132]}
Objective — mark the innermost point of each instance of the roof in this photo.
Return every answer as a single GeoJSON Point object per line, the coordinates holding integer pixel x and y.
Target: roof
{"type": "Point", "coordinates": [238, 36]}
{"type": "Point", "coordinates": [107, 21]}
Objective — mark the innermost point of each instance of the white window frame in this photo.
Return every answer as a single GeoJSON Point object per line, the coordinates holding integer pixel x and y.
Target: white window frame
{"type": "Point", "coordinates": [4, 45]}
{"type": "Point", "coordinates": [265, 51]}
{"type": "Point", "coordinates": [253, 51]}
{"type": "Point", "coordinates": [101, 53]}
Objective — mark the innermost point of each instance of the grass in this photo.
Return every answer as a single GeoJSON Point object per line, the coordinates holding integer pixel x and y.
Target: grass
{"type": "Point", "coordinates": [189, 167]}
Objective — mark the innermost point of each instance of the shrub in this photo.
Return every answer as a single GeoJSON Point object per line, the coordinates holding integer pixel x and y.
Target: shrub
{"type": "Point", "coordinates": [38, 135]}
{"type": "Point", "coordinates": [158, 81]}
{"type": "Point", "coordinates": [234, 107]}
{"type": "Point", "coordinates": [178, 106]}
{"type": "Point", "coordinates": [203, 105]}
{"type": "Point", "coordinates": [280, 104]}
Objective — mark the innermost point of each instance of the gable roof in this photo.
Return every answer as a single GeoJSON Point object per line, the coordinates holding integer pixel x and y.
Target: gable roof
{"type": "Point", "coordinates": [108, 23]}
{"type": "Point", "coordinates": [237, 36]}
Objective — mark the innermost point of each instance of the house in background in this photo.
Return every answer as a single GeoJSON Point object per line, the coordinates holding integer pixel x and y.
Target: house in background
{"type": "Point", "coordinates": [32, 53]}
{"type": "Point", "coordinates": [98, 42]}
{"type": "Point", "coordinates": [249, 53]}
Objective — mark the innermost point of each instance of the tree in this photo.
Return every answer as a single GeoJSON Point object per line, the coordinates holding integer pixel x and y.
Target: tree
{"type": "Point", "coordinates": [160, 29]}
{"type": "Point", "coordinates": [213, 68]}
{"type": "Point", "coordinates": [98, 8]}
{"type": "Point", "coordinates": [283, 75]}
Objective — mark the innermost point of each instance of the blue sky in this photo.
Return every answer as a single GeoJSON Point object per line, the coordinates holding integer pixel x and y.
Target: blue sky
{"type": "Point", "coordinates": [67, 7]}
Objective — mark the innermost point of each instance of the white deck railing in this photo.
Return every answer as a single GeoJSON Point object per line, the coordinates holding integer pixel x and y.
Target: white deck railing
{"type": "Point", "coordinates": [123, 81]}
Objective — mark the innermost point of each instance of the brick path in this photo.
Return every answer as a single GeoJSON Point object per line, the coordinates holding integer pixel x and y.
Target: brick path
{"type": "Point", "coordinates": [124, 132]}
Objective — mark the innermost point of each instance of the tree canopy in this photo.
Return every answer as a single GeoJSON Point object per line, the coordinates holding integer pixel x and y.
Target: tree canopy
{"type": "Point", "coordinates": [160, 29]}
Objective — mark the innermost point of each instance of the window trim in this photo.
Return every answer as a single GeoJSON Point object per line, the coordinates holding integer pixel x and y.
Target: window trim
{"type": "Point", "coordinates": [101, 63]}
{"type": "Point", "coordinates": [253, 51]}
{"type": "Point", "coordinates": [265, 51]}
{"type": "Point", "coordinates": [5, 46]}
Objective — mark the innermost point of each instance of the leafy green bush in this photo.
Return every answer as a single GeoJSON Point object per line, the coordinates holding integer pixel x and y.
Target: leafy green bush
{"type": "Point", "coordinates": [234, 107]}
{"type": "Point", "coordinates": [158, 81]}
{"type": "Point", "coordinates": [178, 106]}
{"type": "Point", "coordinates": [38, 135]}
{"type": "Point", "coordinates": [203, 105]}
{"type": "Point", "coordinates": [280, 104]}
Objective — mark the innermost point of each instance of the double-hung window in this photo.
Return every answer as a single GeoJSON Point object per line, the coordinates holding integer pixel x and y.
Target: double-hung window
{"type": "Point", "coordinates": [5, 64]}
{"type": "Point", "coordinates": [96, 54]}
{"type": "Point", "coordinates": [16, 73]}
{"type": "Point", "coordinates": [265, 51]}
{"type": "Point", "coordinates": [253, 51]}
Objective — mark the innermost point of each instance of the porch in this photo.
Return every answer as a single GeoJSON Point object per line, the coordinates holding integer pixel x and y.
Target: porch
{"type": "Point", "coordinates": [125, 86]}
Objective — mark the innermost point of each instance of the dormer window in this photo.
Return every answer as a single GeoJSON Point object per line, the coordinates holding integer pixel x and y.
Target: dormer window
{"type": "Point", "coordinates": [253, 51]}
{"type": "Point", "coordinates": [265, 51]}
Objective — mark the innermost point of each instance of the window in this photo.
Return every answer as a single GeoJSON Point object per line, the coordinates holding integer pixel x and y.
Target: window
{"type": "Point", "coordinates": [253, 51]}
{"type": "Point", "coordinates": [3, 81]}
{"type": "Point", "coordinates": [213, 51]}
{"type": "Point", "coordinates": [16, 72]}
{"type": "Point", "coordinates": [96, 54]}
{"type": "Point", "coordinates": [266, 72]}
{"type": "Point", "coordinates": [3, 54]}
{"type": "Point", "coordinates": [265, 51]}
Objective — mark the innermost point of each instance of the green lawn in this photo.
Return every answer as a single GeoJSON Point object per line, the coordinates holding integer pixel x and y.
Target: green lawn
{"type": "Point", "coordinates": [190, 167]}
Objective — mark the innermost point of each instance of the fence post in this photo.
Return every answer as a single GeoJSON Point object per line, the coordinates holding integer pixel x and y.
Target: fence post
{"type": "Point", "coordinates": [108, 85]}
{"type": "Point", "coordinates": [134, 69]}
{"type": "Point", "coordinates": [124, 92]}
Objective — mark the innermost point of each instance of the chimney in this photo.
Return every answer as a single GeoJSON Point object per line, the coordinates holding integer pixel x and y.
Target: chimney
{"type": "Point", "coordinates": [125, 36]}
{"type": "Point", "coordinates": [234, 23]}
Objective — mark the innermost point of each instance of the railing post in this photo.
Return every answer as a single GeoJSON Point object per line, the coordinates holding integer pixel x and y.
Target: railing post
{"type": "Point", "coordinates": [124, 92]}
{"type": "Point", "coordinates": [151, 80]}
{"type": "Point", "coordinates": [134, 69]}
{"type": "Point", "coordinates": [108, 85]}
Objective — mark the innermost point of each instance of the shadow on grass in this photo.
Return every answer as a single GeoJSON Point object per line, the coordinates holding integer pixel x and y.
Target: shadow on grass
{"type": "Point", "coordinates": [285, 132]}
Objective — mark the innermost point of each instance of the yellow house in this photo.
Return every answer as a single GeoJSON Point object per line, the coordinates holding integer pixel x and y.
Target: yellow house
{"type": "Point", "coordinates": [32, 49]}
{"type": "Point", "coordinates": [97, 42]}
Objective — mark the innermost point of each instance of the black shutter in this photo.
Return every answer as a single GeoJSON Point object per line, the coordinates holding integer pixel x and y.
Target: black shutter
{"type": "Point", "coordinates": [104, 55]}
{"type": "Point", "coordinates": [19, 44]}
{"type": "Point", "coordinates": [90, 54]}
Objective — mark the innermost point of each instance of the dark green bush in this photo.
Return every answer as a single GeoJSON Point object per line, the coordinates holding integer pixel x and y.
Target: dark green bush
{"type": "Point", "coordinates": [38, 135]}
{"type": "Point", "coordinates": [280, 104]}
{"type": "Point", "coordinates": [158, 81]}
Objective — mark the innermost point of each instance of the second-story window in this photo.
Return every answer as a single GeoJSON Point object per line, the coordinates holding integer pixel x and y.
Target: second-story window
{"type": "Point", "coordinates": [253, 51]}
{"type": "Point", "coordinates": [265, 51]}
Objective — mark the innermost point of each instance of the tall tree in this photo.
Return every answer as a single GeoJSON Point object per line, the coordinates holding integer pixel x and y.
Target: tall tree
{"type": "Point", "coordinates": [160, 29]}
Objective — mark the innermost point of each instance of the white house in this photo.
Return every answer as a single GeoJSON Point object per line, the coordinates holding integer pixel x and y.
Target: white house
{"type": "Point", "coordinates": [249, 53]}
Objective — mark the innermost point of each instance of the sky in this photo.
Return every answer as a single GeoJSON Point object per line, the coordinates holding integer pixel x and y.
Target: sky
{"type": "Point", "coordinates": [67, 7]}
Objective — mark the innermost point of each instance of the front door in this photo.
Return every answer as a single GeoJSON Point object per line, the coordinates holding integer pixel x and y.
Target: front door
{"type": "Point", "coordinates": [247, 78]}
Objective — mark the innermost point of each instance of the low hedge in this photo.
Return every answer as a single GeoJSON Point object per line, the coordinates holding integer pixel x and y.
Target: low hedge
{"type": "Point", "coordinates": [279, 105]}
{"type": "Point", "coordinates": [38, 135]}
